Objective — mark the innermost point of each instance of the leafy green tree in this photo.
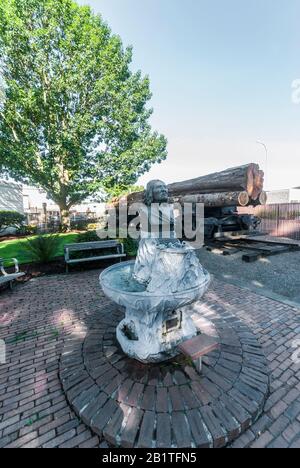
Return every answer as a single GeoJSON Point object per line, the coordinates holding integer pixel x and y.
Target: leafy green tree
{"type": "Point", "coordinates": [73, 116]}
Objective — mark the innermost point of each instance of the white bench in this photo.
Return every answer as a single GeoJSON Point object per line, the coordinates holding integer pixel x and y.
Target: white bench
{"type": "Point", "coordinates": [9, 277]}
{"type": "Point", "coordinates": [88, 246]}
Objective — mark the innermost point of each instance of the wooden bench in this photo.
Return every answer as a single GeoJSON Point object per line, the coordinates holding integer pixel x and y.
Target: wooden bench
{"type": "Point", "coordinates": [88, 246]}
{"type": "Point", "coordinates": [197, 347]}
{"type": "Point", "coordinates": [9, 277]}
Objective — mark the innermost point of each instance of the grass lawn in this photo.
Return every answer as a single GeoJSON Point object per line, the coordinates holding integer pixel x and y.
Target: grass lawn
{"type": "Point", "coordinates": [15, 248]}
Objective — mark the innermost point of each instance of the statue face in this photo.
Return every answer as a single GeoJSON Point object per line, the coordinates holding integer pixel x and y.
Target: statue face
{"type": "Point", "coordinates": [160, 193]}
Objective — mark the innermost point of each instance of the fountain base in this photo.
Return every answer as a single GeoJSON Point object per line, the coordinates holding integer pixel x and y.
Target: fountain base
{"type": "Point", "coordinates": [156, 341]}
{"type": "Point", "coordinates": [155, 322]}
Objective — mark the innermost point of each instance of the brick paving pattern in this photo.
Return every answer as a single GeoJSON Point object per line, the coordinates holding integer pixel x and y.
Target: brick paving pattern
{"type": "Point", "coordinates": [122, 399]}
{"type": "Point", "coordinates": [37, 322]}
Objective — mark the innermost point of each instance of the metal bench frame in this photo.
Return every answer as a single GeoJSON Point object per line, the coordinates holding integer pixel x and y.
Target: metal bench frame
{"type": "Point", "coordinates": [9, 277]}
{"type": "Point", "coordinates": [86, 246]}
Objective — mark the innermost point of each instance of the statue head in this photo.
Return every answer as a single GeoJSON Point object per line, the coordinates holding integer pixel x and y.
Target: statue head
{"type": "Point", "coordinates": [156, 192]}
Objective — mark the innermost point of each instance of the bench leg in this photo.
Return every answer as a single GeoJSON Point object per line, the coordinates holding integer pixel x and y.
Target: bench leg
{"type": "Point", "coordinates": [11, 285]}
{"type": "Point", "coordinates": [67, 268]}
{"type": "Point", "coordinates": [198, 365]}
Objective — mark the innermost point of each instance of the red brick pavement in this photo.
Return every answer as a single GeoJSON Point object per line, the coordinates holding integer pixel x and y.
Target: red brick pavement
{"type": "Point", "coordinates": [36, 318]}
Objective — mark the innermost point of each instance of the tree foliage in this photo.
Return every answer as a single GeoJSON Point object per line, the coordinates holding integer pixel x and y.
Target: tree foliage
{"type": "Point", "coordinates": [73, 116]}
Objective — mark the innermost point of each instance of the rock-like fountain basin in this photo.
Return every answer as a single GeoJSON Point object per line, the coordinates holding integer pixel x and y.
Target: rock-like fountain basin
{"type": "Point", "coordinates": [120, 286]}
{"type": "Point", "coordinates": [155, 323]}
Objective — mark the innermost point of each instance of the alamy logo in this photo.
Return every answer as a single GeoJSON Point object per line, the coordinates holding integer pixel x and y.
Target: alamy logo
{"type": "Point", "coordinates": [2, 352]}
{"type": "Point", "coordinates": [156, 220]}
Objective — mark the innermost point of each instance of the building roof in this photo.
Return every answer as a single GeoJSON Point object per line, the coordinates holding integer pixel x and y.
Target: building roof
{"type": "Point", "coordinates": [10, 183]}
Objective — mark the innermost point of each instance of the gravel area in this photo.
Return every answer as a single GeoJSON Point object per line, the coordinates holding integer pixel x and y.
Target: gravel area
{"type": "Point", "coordinates": [279, 274]}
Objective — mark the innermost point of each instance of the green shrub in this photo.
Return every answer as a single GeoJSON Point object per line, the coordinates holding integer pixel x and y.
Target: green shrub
{"type": "Point", "coordinates": [88, 236]}
{"type": "Point", "coordinates": [84, 224]}
{"type": "Point", "coordinates": [10, 219]}
{"type": "Point", "coordinates": [43, 248]}
{"type": "Point", "coordinates": [27, 230]}
{"type": "Point", "coordinates": [79, 225]}
{"type": "Point", "coordinates": [130, 246]}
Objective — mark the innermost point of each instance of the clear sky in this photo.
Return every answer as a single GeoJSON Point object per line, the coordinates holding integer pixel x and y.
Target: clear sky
{"type": "Point", "coordinates": [221, 74]}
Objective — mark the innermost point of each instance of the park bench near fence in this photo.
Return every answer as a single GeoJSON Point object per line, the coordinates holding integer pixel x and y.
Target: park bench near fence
{"type": "Point", "coordinates": [6, 277]}
{"type": "Point", "coordinates": [87, 247]}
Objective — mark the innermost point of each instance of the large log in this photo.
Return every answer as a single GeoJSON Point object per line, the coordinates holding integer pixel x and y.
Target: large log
{"type": "Point", "coordinates": [136, 197]}
{"type": "Point", "coordinates": [216, 200]}
{"type": "Point", "coordinates": [247, 178]}
{"type": "Point", "coordinates": [263, 198]}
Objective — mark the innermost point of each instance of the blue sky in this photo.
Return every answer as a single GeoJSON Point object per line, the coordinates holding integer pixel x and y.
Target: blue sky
{"type": "Point", "coordinates": [221, 74]}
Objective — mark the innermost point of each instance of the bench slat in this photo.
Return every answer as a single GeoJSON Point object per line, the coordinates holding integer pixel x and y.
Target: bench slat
{"type": "Point", "coordinates": [92, 259]}
{"type": "Point", "coordinates": [91, 246]}
{"type": "Point", "coordinates": [11, 277]}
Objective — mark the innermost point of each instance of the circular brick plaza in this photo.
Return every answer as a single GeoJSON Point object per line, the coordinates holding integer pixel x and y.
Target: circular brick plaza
{"type": "Point", "coordinates": [168, 405]}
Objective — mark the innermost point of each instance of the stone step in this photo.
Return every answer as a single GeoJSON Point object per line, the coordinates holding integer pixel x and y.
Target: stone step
{"type": "Point", "coordinates": [197, 347]}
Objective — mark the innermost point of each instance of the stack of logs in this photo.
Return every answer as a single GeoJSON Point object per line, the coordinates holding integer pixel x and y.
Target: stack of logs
{"type": "Point", "coordinates": [238, 186]}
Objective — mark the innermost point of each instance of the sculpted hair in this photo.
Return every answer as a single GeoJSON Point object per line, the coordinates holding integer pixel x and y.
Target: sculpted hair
{"type": "Point", "coordinates": [149, 198]}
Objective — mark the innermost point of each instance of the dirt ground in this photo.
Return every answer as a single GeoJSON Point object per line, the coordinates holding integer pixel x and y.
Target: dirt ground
{"type": "Point", "coordinates": [279, 274]}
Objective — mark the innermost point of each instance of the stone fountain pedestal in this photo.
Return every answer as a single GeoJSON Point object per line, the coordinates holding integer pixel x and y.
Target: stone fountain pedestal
{"type": "Point", "coordinates": [154, 338]}
{"type": "Point", "coordinates": [157, 315]}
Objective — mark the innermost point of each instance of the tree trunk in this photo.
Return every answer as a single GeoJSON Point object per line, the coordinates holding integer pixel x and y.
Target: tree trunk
{"type": "Point", "coordinates": [216, 200]}
{"type": "Point", "coordinates": [65, 217]}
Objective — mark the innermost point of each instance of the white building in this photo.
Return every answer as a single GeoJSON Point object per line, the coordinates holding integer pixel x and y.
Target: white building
{"type": "Point", "coordinates": [11, 197]}
{"type": "Point", "coordinates": [284, 196]}
{"type": "Point", "coordinates": [36, 203]}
